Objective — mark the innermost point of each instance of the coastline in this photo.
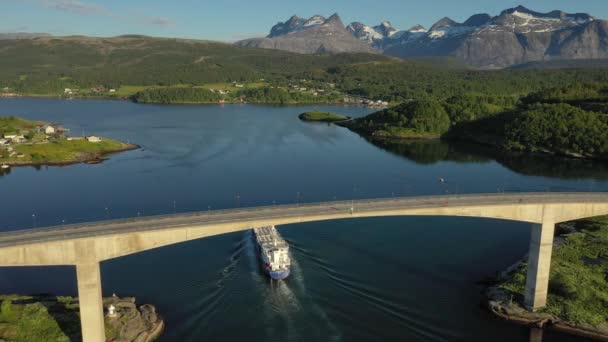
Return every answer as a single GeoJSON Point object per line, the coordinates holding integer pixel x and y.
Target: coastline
{"type": "Point", "coordinates": [49, 317]}
{"type": "Point", "coordinates": [503, 298]}
{"type": "Point", "coordinates": [85, 157]}
{"type": "Point", "coordinates": [128, 99]}
{"type": "Point", "coordinates": [501, 305]}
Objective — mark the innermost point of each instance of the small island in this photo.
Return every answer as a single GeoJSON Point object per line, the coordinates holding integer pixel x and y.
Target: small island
{"type": "Point", "coordinates": [56, 318]}
{"type": "Point", "coordinates": [316, 116]}
{"type": "Point", "coordinates": [578, 284]}
{"type": "Point", "coordinates": [24, 142]}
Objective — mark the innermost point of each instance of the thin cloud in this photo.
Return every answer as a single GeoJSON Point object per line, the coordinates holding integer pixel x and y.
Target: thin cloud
{"type": "Point", "coordinates": [159, 21]}
{"type": "Point", "coordinates": [88, 8]}
{"type": "Point", "coordinates": [75, 6]}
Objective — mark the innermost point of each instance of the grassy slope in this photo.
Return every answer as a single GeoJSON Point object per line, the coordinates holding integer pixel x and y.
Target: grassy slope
{"type": "Point", "coordinates": [578, 287]}
{"type": "Point", "coordinates": [12, 124]}
{"type": "Point", "coordinates": [63, 150]}
{"type": "Point", "coordinates": [57, 151]}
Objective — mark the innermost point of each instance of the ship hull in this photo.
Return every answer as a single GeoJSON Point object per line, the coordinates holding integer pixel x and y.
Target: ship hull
{"type": "Point", "coordinates": [277, 275]}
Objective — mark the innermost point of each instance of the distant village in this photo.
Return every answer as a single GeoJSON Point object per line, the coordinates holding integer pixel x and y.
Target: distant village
{"type": "Point", "coordinates": [303, 85]}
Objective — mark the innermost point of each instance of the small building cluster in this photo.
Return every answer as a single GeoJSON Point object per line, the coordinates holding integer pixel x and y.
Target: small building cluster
{"type": "Point", "coordinates": [365, 102]}
{"type": "Point", "coordinates": [39, 134]}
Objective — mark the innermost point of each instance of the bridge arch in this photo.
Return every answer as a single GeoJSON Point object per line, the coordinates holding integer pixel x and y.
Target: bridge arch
{"type": "Point", "coordinates": [86, 245]}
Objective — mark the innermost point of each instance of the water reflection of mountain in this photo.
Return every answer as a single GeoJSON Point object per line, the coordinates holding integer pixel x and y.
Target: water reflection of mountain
{"type": "Point", "coordinates": [434, 151]}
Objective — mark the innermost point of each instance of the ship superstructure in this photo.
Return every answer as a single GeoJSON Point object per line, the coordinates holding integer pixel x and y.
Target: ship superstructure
{"type": "Point", "coordinates": [274, 252]}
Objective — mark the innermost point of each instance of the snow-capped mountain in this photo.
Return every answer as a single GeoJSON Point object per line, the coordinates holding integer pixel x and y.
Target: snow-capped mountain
{"type": "Point", "coordinates": [372, 34]}
{"type": "Point", "coordinates": [314, 35]}
{"type": "Point", "coordinates": [517, 35]}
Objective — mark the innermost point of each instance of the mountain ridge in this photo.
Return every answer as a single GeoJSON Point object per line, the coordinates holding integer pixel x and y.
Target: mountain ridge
{"type": "Point", "coordinates": [516, 36]}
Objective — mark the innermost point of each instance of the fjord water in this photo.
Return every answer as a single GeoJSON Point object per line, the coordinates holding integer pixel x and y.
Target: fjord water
{"type": "Point", "coordinates": [376, 279]}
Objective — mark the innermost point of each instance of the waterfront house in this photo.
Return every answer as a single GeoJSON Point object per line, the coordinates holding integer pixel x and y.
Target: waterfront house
{"type": "Point", "coordinates": [92, 138]}
{"type": "Point", "coordinates": [47, 129]}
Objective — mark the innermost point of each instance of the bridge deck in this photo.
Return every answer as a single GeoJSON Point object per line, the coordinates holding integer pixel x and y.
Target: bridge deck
{"type": "Point", "coordinates": [81, 230]}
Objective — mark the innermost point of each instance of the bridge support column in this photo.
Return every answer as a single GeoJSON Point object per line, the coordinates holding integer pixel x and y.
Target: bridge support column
{"type": "Point", "coordinates": [539, 263]}
{"type": "Point", "coordinates": [91, 303]}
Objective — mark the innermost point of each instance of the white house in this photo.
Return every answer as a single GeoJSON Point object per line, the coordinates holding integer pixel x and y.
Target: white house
{"type": "Point", "coordinates": [112, 90]}
{"type": "Point", "coordinates": [48, 129]}
{"type": "Point", "coordinates": [14, 137]}
{"type": "Point", "coordinates": [92, 138]}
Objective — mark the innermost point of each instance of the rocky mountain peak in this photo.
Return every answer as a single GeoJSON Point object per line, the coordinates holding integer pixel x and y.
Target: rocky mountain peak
{"type": "Point", "coordinates": [445, 21]}
{"type": "Point", "coordinates": [478, 20]}
{"type": "Point", "coordinates": [525, 12]}
{"type": "Point", "coordinates": [283, 28]}
{"type": "Point", "coordinates": [417, 28]}
{"type": "Point", "coordinates": [334, 20]}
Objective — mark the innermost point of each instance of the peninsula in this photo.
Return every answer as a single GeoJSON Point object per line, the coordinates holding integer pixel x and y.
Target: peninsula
{"type": "Point", "coordinates": [566, 121]}
{"type": "Point", "coordinates": [24, 142]}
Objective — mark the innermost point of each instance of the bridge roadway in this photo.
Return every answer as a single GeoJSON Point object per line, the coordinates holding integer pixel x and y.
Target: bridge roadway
{"type": "Point", "coordinates": [86, 245]}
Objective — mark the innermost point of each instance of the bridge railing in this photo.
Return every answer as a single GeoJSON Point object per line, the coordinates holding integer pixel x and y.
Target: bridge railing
{"type": "Point", "coordinates": [345, 204]}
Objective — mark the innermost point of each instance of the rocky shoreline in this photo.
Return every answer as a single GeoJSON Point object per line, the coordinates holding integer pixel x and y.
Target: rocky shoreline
{"type": "Point", "coordinates": [57, 318]}
{"type": "Point", "coordinates": [128, 323]}
{"type": "Point", "coordinates": [504, 306]}
{"type": "Point", "coordinates": [508, 306]}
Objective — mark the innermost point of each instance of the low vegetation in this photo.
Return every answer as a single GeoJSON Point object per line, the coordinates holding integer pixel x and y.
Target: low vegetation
{"type": "Point", "coordinates": [578, 285]}
{"type": "Point", "coordinates": [25, 142]}
{"type": "Point", "coordinates": [322, 116]}
{"type": "Point", "coordinates": [63, 151]}
{"type": "Point", "coordinates": [168, 95]}
{"type": "Point", "coordinates": [29, 319]}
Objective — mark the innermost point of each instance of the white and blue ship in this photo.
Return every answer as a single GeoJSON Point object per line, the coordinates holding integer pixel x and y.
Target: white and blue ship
{"type": "Point", "coordinates": [274, 252]}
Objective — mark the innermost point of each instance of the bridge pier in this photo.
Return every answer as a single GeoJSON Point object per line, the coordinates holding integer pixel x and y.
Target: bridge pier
{"type": "Point", "coordinates": [539, 264]}
{"type": "Point", "coordinates": [91, 302]}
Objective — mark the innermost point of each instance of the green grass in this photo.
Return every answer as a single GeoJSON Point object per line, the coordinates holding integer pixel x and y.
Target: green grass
{"type": "Point", "coordinates": [128, 90]}
{"type": "Point", "coordinates": [62, 150]}
{"type": "Point", "coordinates": [41, 318]}
{"type": "Point", "coordinates": [578, 285]}
{"type": "Point", "coordinates": [231, 87]}
{"type": "Point", "coordinates": [322, 116]}
{"type": "Point", "coordinates": [28, 322]}
{"type": "Point", "coordinates": [13, 124]}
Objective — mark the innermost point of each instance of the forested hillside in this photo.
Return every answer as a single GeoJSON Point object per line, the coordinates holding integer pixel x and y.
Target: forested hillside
{"type": "Point", "coordinates": [129, 64]}
{"type": "Point", "coordinates": [570, 120]}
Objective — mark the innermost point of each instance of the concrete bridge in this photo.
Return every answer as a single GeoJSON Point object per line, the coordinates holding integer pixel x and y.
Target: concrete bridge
{"type": "Point", "coordinates": [86, 245]}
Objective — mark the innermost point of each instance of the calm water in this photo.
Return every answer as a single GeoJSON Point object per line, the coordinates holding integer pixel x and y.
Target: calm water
{"type": "Point", "coordinates": [377, 279]}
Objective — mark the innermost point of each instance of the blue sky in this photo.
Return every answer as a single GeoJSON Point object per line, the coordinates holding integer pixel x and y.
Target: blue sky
{"type": "Point", "coordinates": [230, 20]}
